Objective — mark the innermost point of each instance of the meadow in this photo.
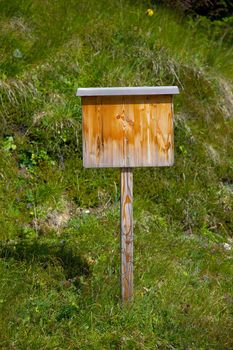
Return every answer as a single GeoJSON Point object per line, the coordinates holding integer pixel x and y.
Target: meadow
{"type": "Point", "coordinates": [59, 222]}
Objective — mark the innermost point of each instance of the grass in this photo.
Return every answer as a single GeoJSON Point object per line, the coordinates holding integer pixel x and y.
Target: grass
{"type": "Point", "coordinates": [60, 223]}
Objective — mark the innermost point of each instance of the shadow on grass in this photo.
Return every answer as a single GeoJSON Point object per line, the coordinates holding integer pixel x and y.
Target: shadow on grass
{"type": "Point", "coordinates": [47, 255]}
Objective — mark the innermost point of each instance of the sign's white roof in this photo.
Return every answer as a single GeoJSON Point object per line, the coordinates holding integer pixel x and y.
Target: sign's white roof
{"type": "Point", "coordinates": [121, 91]}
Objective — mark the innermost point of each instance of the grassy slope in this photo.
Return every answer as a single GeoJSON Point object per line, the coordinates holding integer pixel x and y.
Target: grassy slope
{"type": "Point", "coordinates": [60, 223]}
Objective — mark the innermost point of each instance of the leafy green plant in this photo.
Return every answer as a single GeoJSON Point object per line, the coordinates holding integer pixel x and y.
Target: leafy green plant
{"type": "Point", "coordinates": [31, 159]}
{"type": "Point", "coordinates": [9, 144]}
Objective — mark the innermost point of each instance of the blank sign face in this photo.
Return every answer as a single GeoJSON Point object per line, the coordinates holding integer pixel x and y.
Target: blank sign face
{"type": "Point", "coordinates": [127, 131]}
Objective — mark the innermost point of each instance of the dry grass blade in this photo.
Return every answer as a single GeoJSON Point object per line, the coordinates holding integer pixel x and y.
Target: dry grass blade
{"type": "Point", "coordinates": [15, 92]}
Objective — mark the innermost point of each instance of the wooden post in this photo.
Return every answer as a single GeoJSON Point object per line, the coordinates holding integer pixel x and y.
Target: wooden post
{"type": "Point", "coordinates": [127, 127]}
{"type": "Point", "coordinates": [126, 234]}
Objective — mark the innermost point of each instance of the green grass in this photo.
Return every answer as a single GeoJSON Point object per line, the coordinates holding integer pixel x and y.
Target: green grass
{"type": "Point", "coordinates": [59, 223]}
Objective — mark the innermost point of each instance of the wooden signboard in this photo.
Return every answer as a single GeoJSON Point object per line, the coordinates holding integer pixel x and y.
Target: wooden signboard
{"type": "Point", "coordinates": [126, 128]}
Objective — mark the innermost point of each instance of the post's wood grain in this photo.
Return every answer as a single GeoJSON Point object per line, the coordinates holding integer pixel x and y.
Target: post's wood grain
{"type": "Point", "coordinates": [127, 131]}
{"type": "Point", "coordinates": [126, 234]}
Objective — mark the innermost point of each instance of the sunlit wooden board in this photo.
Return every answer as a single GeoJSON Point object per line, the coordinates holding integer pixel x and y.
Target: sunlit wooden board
{"type": "Point", "coordinates": [127, 131]}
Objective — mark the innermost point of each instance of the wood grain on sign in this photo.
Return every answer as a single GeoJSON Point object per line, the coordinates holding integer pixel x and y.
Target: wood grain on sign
{"type": "Point", "coordinates": [126, 234]}
{"type": "Point", "coordinates": [127, 131]}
